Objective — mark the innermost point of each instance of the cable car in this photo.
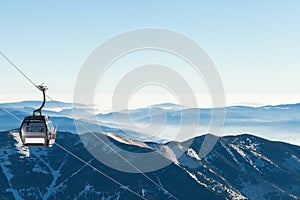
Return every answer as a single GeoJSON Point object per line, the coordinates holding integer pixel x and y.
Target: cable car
{"type": "Point", "coordinates": [37, 129]}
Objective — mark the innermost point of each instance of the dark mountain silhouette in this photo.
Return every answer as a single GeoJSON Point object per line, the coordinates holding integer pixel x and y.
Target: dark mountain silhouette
{"type": "Point", "coordinates": [238, 167]}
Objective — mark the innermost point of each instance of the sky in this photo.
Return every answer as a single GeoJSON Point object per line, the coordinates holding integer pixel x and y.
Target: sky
{"type": "Point", "coordinates": [254, 45]}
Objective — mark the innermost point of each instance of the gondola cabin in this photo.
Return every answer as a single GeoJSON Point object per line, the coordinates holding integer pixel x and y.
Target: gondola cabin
{"type": "Point", "coordinates": [37, 131]}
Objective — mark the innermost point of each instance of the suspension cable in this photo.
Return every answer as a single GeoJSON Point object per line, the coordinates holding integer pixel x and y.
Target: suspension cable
{"type": "Point", "coordinates": [20, 71]}
{"type": "Point", "coordinates": [83, 161]}
{"type": "Point", "coordinates": [14, 116]}
{"type": "Point", "coordinates": [94, 168]}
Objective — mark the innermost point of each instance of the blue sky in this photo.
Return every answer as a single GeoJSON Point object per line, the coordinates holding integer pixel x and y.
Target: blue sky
{"type": "Point", "coordinates": [254, 45]}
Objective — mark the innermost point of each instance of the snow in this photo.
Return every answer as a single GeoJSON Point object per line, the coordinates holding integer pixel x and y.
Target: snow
{"type": "Point", "coordinates": [232, 155]}
{"type": "Point", "coordinates": [144, 192]}
{"type": "Point", "coordinates": [24, 151]}
{"type": "Point", "coordinates": [293, 162]}
{"type": "Point", "coordinates": [261, 190]}
{"type": "Point", "coordinates": [264, 158]}
{"type": "Point", "coordinates": [241, 152]}
{"type": "Point", "coordinates": [234, 195]}
{"type": "Point", "coordinates": [39, 169]}
{"type": "Point", "coordinates": [62, 185]}
{"type": "Point", "coordinates": [190, 159]}
{"type": "Point", "coordinates": [220, 188]}
{"type": "Point", "coordinates": [126, 140]}
{"type": "Point", "coordinates": [252, 145]}
{"type": "Point", "coordinates": [193, 154]}
{"type": "Point", "coordinates": [295, 158]}
{"type": "Point", "coordinates": [124, 187]}
{"type": "Point", "coordinates": [167, 152]}
{"type": "Point", "coordinates": [38, 153]}
{"type": "Point", "coordinates": [196, 179]}
{"type": "Point", "coordinates": [8, 175]}
{"type": "Point", "coordinates": [89, 189]}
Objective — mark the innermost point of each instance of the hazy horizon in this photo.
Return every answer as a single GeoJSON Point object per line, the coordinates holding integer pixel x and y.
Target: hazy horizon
{"type": "Point", "coordinates": [143, 105]}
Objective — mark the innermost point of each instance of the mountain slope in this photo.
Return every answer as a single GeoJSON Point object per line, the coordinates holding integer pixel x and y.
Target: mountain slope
{"type": "Point", "coordinates": [239, 167]}
{"type": "Point", "coordinates": [52, 173]}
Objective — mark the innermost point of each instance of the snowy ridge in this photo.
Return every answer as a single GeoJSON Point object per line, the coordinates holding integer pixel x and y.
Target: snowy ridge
{"type": "Point", "coordinates": [125, 140]}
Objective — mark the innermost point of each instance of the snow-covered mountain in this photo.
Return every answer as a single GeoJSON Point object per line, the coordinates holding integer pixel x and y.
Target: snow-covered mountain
{"type": "Point", "coordinates": [239, 167]}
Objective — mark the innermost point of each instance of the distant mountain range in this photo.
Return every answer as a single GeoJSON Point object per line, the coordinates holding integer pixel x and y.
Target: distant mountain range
{"type": "Point", "coordinates": [279, 122]}
{"type": "Point", "coordinates": [239, 167]}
